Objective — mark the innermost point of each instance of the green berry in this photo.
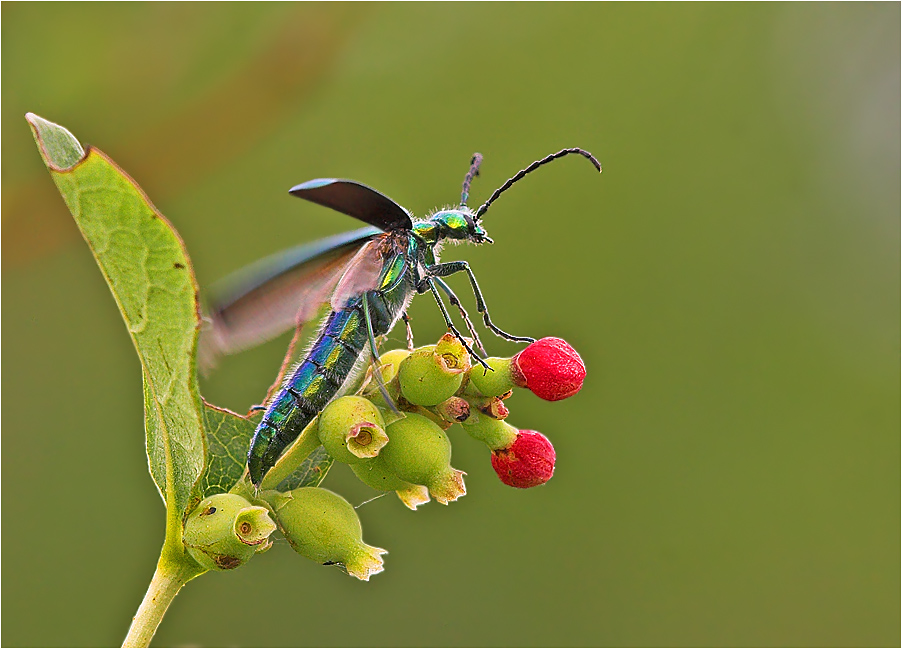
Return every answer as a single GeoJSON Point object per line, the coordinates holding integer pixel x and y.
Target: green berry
{"type": "Point", "coordinates": [432, 374]}
{"type": "Point", "coordinates": [225, 531]}
{"type": "Point", "coordinates": [323, 526]}
{"type": "Point", "coordinates": [376, 474]}
{"type": "Point", "coordinates": [389, 362]}
{"type": "Point", "coordinates": [419, 452]}
{"type": "Point", "coordinates": [352, 428]}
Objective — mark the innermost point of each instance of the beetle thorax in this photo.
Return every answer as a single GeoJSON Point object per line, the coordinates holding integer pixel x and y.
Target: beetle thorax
{"type": "Point", "coordinates": [454, 225]}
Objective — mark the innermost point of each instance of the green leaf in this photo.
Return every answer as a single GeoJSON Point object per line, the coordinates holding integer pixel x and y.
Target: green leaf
{"type": "Point", "coordinates": [228, 438]}
{"type": "Point", "coordinates": [60, 149]}
{"type": "Point", "coordinates": [312, 471]}
{"type": "Point", "coordinates": [148, 271]}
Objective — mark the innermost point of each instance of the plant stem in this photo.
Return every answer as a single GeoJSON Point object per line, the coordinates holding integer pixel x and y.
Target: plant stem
{"type": "Point", "coordinates": [171, 574]}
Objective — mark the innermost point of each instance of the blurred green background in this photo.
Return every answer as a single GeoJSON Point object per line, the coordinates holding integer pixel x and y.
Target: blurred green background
{"type": "Point", "coordinates": [729, 474]}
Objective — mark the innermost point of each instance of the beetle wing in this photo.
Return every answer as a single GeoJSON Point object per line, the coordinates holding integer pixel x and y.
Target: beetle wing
{"type": "Point", "coordinates": [357, 200]}
{"type": "Point", "coordinates": [361, 274]}
{"type": "Point", "coordinates": [275, 294]}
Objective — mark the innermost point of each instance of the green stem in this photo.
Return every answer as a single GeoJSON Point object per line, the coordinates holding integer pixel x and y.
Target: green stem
{"type": "Point", "coordinates": [174, 570]}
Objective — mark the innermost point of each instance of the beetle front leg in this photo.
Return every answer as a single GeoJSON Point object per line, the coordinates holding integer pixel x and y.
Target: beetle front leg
{"type": "Point", "coordinates": [463, 312]}
{"type": "Point", "coordinates": [451, 267]}
{"type": "Point", "coordinates": [427, 284]}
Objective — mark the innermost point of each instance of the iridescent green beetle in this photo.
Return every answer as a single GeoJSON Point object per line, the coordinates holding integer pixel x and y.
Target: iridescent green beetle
{"type": "Point", "coordinates": [368, 276]}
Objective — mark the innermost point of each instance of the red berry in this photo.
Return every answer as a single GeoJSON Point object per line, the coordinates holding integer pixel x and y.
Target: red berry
{"type": "Point", "coordinates": [550, 368]}
{"type": "Point", "coordinates": [528, 462]}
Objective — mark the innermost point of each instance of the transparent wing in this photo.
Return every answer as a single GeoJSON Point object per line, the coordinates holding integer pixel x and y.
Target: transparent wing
{"type": "Point", "coordinates": [361, 274]}
{"type": "Point", "coordinates": [275, 294]}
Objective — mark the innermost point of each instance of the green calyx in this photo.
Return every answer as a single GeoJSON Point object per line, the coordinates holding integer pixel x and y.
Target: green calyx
{"type": "Point", "coordinates": [225, 531]}
{"type": "Point", "coordinates": [494, 433]}
{"type": "Point", "coordinates": [323, 526]}
{"type": "Point", "coordinates": [493, 384]}
{"type": "Point", "coordinates": [352, 429]}
{"type": "Point", "coordinates": [419, 452]}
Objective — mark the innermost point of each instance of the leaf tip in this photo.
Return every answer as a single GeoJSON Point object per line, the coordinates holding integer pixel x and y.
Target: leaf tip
{"type": "Point", "coordinates": [59, 148]}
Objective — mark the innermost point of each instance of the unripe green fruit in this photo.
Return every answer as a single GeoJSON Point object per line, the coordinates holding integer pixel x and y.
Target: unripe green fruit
{"type": "Point", "coordinates": [374, 473]}
{"type": "Point", "coordinates": [430, 375]}
{"type": "Point", "coordinates": [389, 362]}
{"type": "Point", "coordinates": [225, 531]}
{"type": "Point", "coordinates": [419, 452]}
{"type": "Point", "coordinates": [323, 526]}
{"type": "Point", "coordinates": [494, 433]}
{"type": "Point", "coordinates": [351, 429]}
{"type": "Point", "coordinates": [493, 384]}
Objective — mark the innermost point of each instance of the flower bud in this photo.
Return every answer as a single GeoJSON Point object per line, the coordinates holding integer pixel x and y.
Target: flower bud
{"type": "Point", "coordinates": [493, 384]}
{"type": "Point", "coordinates": [432, 374]}
{"type": "Point", "coordinates": [352, 428]}
{"type": "Point", "coordinates": [527, 462]}
{"type": "Point", "coordinates": [550, 368]}
{"type": "Point", "coordinates": [493, 407]}
{"type": "Point", "coordinates": [419, 452]}
{"type": "Point", "coordinates": [374, 473]}
{"type": "Point", "coordinates": [494, 433]}
{"type": "Point", "coordinates": [323, 526]}
{"type": "Point", "coordinates": [225, 531]}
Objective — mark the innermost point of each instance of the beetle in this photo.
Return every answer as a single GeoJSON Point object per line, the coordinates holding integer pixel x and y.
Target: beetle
{"type": "Point", "coordinates": [368, 276]}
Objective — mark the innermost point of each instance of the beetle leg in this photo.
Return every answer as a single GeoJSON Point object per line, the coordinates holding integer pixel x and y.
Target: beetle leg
{"type": "Point", "coordinates": [463, 313]}
{"type": "Point", "coordinates": [406, 319]}
{"type": "Point", "coordinates": [441, 305]}
{"type": "Point", "coordinates": [451, 267]}
{"type": "Point", "coordinates": [377, 370]}
{"type": "Point", "coordinates": [283, 370]}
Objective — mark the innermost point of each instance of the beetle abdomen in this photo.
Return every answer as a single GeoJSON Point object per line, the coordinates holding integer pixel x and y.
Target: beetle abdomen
{"type": "Point", "coordinates": [314, 382]}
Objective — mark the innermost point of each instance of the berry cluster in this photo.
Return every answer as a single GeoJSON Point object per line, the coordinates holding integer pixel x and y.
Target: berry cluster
{"type": "Point", "coordinates": [400, 446]}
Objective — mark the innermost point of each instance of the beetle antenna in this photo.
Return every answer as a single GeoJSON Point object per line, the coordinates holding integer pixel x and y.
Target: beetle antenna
{"type": "Point", "coordinates": [535, 165]}
{"type": "Point", "coordinates": [471, 174]}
